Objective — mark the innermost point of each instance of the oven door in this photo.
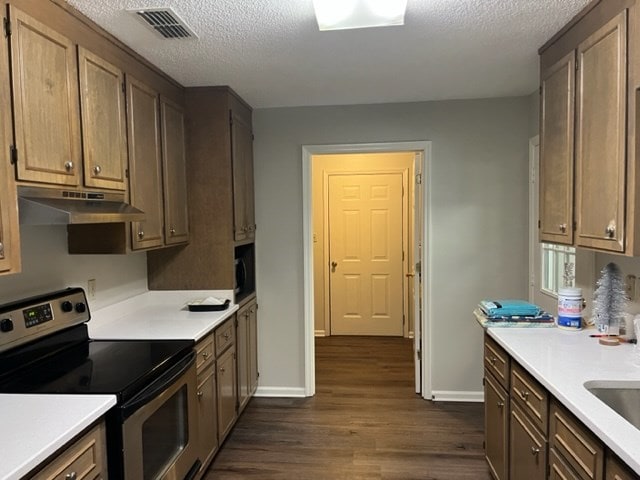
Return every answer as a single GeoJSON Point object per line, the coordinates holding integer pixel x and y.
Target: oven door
{"type": "Point", "coordinates": [159, 432]}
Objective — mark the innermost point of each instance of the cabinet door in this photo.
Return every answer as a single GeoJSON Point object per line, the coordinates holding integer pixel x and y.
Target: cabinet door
{"type": "Point", "coordinates": [144, 163]}
{"type": "Point", "coordinates": [227, 393]}
{"type": "Point", "coordinates": [176, 214]}
{"type": "Point", "coordinates": [496, 427]}
{"type": "Point", "coordinates": [600, 137]}
{"type": "Point", "coordinates": [527, 448]}
{"type": "Point", "coordinates": [9, 228]}
{"type": "Point", "coordinates": [45, 102]}
{"type": "Point", "coordinates": [253, 348]}
{"type": "Point", "coordinates": [103, 122]}
{"type": "Point", "coordinates": [207, 417]}
{"type": "Point", "coordinates": [243, 196]}
{"type": "Point", "coordinates": [557, 110]}
{"type": "Point", "coordinates": [242, 342]}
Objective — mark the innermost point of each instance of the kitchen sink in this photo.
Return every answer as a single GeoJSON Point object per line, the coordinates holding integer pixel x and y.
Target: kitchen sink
{"type": "Point", "coordinates": [623, 397]}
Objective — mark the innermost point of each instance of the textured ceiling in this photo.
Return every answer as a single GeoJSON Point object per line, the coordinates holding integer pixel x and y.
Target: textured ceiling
{"type": "Point", "coordinates": [272, 54]}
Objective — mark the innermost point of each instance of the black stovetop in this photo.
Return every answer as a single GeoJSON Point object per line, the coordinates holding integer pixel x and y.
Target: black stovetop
{"type": "Point", "coordinates": [76, 365]}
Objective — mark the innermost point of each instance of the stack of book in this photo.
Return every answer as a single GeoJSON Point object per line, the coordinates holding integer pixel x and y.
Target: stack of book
{"type": "Point", "coordinates": [511, 313]}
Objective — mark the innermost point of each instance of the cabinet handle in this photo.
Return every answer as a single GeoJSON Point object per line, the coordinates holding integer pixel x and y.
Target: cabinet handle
{"type": "Point", "coordinates": [226, 336]}
{"type": "Point", "coordinates": [1, 249]}
{"type": "Point", "coordinates": [500, 404]}
{"type": "Point", "coordinates": [610, 231]}
{"type": "Point", "coordinates": [535, 451]}
{"type": "Point", "coordinates": [141, 234]}
{"type": "Point", "coordinates": [524, 395]}
{"type": "Point", "coordinates": [252, 228]}
{"type": "Point", "coordinates": [493, 361]}
{"type": "Point", "coordinates": [172, 231]}
{"type": "Point", "coordinates": [97, 169]}
{"type": "Point", "coordinates": [71, 476]}
{"type": "Point", "coordinates": [68, 166]}
{"type": "Point", "coordinates": [205, 355]}
{"type": "Point", "coordinates": [222, 370]}
{"type": "Point", "coordinates": [199, 393]}
{"type": "Point", "coordinates": [563, 227]}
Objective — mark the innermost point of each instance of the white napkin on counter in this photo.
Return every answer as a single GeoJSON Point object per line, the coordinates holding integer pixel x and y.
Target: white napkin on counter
{"type": "Point", "coordinates": [208, 301]}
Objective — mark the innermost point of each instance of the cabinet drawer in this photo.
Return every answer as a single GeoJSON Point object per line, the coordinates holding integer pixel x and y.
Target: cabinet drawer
{"type": "Point", "coordinates": [84, 459]}
{"type": "Point", "coordinates": [616, 470]}
{"type": "Point", "coordinates": [579, 447]}
{"type": "Point", "coordinates": [531, 396]}
{"type": "Point", "coordinates": [558, 469]}
{"type": "Point", "coordinates": [496, 361]}
{"type": "Point", "coordinates": [205, 353]}
{"type": "Point", "coordinates": [225, 336]}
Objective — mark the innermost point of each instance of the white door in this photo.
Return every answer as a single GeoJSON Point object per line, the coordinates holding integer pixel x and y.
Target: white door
{"type": "Point", "coordinates": [365, 252]}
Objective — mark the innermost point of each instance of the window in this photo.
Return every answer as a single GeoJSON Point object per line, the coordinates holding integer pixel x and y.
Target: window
{"type": "Point", "coordinates": [558, 267]}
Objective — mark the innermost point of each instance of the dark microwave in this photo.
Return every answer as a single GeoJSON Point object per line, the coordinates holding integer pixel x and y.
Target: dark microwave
{"type": "Point", "coordinates": [245, 279]}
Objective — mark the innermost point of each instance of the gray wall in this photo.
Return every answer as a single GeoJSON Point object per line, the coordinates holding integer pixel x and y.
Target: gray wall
{"type": "Point", "coordinates": [46, 266]}
{"type": "Point", "coordinates": [479, 220]}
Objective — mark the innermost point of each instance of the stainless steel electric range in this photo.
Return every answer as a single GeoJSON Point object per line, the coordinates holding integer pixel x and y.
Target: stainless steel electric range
{"type": "Point", "coordinates": [152, 431]}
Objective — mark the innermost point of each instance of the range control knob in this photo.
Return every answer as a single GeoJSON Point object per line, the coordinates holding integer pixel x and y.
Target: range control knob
{"type": "Point", "coordinates": [66, 306]}
{"type": "Point", "coordinates": [81, 307]}
{"type": "Point", "coordinates": [6, 325]}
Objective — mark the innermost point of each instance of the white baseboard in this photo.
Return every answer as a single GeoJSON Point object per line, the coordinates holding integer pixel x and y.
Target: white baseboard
{"type": "Point", "coordinates": [280, 392]}
{"type": "Point", "coordinates": [456, 396]}
{"type": "Point", "coordinates": [320, 333]}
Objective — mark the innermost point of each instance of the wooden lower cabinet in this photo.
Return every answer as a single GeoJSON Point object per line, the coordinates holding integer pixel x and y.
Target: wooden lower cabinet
{"type": "Point", "coordinates": [538, 438]}
{"type": "Point", "coordinates": [247, 349]}
{"type": "Point", "coordinates": [85, 459]}
{"type": "Point", "coordinates": [227, 392]}
{"type": "Point", "coordinates": [207, 394]}
{"type": "Point", "coordinates": [496, 425]}
{"type": "Point", "coordinates": [207, 414]}
{"type": "Point", "coordinates": [527, 448]}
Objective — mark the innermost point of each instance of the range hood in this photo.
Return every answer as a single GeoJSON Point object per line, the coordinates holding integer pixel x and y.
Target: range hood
{"type": "Point", "coordinates": [51, 206]}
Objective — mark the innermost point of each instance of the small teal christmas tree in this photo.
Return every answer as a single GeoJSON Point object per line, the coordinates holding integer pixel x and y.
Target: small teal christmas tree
{"type": "Point", "coordinates": [610, 300]}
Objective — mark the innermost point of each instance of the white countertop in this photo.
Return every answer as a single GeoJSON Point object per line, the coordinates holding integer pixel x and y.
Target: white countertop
{"type": "Point", "coordinates": [35, 426]}
{"type": "Point", "coordinates": [563, 361]}
{"type": "Point", "coordinates": [158, 315]}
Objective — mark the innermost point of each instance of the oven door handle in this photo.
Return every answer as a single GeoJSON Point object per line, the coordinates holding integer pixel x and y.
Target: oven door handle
{"type": "Point", "coordinates": [158, 386]}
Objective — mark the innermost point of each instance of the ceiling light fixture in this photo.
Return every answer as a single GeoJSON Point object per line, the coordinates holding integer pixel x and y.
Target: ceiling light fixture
{"type": "Point", "coordinates": [346, 14]}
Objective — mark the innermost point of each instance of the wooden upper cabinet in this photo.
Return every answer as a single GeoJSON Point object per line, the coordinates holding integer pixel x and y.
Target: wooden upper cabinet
{"type": "Point", "coordinates": [557, 109]}
{"type": "Point", "coordinates": [9, 231]}
{"type": "Point", "coordinates": [103, 122]}
{"type": "Point", "coordinates": [145, 183]}
{"type": "Point", "coordinates": [176, 214]}
{"type": "Point", "coordinates": [45, 101]}
{"type": "Point", "coordinates": [242, 158]}
{"type": "Point", "coordinates": [601, 137]}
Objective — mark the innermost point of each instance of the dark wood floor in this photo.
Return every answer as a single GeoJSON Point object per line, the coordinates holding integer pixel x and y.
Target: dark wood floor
{"type": "Point", "coordinates": [365, 422]}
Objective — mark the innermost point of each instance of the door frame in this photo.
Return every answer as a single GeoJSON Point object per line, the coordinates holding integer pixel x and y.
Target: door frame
{"type": "Point", "coordinates": [423, 147]}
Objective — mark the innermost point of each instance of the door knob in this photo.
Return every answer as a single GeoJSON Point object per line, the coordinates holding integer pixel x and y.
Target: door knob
{"type": "Point", "coordinates": [333, 266]}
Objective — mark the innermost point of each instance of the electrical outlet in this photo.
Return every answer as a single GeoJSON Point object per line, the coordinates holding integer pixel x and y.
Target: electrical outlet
{"type": "Point", "coordinates": [91, 288]}
{"type": "Point", "coordinates": [630, 286]}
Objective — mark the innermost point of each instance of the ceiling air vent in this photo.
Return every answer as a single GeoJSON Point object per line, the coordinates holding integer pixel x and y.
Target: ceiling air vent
{"type": "Point", "coordinates": [165, 22]}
